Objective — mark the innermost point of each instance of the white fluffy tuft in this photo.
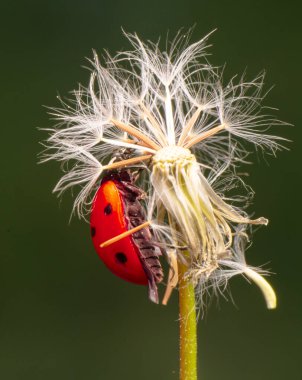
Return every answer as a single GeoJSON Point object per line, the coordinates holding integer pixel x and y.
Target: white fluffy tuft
{"type": "Point", "coordinates": [147, 101]}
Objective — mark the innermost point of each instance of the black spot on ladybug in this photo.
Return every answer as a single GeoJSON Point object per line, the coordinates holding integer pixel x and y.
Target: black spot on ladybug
{"type": "Point", "coordinates": [121, 257]}
{"type": "Point", "coordinates": [92, 231]}
{"type": "Point", "coordinates": [108, 209]}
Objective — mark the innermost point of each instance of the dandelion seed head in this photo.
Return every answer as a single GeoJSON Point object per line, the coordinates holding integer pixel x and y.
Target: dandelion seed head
{"type": "Point", "coordinates": [172, 111]}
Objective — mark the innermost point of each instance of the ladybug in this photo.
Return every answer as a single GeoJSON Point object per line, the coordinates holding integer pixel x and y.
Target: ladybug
{"type": "Point", "coordinates": [116, 209]}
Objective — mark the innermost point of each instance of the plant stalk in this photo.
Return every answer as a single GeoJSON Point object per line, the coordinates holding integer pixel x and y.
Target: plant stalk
{"type": "Point", "coordinates": [187, 327]}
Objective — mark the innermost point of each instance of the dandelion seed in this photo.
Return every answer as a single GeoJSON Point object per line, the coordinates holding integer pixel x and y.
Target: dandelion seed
{"type": "Point", "coordinates": [171, 110]}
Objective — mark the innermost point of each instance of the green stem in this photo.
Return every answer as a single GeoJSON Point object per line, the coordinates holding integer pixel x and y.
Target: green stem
{"type": "Point", "coordinates": [187, 320]}
{"type": "Point", "coordinates": [187, 327]}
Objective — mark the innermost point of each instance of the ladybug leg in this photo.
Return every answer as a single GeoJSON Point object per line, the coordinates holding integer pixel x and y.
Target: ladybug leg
{"type": "Point", "coordinates": [152, 289]}
{"type": "Point", "coordinates": [136, 191]}
{"type": "Point", "coordinates": [148, 254]}
{"type": "Point", "coordinates": [136, 174]}
{"type": "Point", "coordinates": [152, 279]}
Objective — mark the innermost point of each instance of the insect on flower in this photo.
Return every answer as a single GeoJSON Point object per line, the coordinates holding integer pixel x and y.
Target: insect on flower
{"type": "Point", "coordinates": [189, 131]}
{"type": "Point", "coordinates": [117, 218]}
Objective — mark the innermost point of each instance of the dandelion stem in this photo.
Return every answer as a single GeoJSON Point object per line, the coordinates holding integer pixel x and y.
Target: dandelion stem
{"type": "Point", "coordinates": [187, 327]}
{"type": "Point", "coordinates": [187, 320]}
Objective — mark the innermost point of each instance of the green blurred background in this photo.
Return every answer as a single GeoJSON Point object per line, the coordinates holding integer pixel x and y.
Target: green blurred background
{"type": "Point", "coordinates": [62, 314]}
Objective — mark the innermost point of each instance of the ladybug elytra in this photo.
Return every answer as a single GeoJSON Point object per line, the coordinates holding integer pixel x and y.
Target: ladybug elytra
{"type": "Point", "coordinates": [116, 209]}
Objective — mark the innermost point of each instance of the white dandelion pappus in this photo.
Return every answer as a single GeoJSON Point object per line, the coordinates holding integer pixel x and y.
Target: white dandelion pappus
{"type": "Point", "coordinates": [171, 110]}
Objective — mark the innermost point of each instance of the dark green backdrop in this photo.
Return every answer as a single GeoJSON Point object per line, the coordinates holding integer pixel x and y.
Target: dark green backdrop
{"type": "Point", "coordinates": [62, 314]}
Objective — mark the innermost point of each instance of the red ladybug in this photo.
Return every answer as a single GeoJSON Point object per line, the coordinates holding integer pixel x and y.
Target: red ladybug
{"type": "Point", "coordinates": [116, 209]}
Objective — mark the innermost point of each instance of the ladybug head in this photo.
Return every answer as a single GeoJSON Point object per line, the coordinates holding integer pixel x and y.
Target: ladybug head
{"type": "Point", "coordinates": [118, 175]}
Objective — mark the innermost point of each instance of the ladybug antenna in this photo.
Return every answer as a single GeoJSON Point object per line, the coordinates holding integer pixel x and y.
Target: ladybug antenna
{"type": "Point", "coordinates": [136, 174]}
